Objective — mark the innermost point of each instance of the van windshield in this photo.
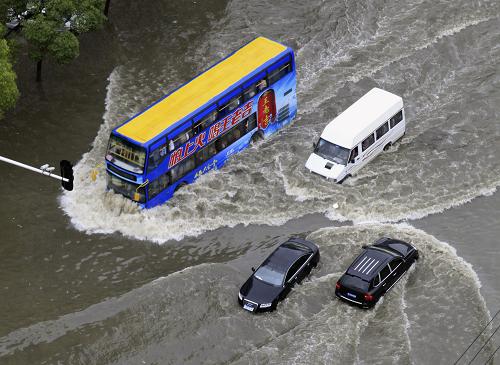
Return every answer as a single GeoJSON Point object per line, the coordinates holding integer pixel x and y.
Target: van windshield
{"type": "Point", "coordinates": [332, 152]}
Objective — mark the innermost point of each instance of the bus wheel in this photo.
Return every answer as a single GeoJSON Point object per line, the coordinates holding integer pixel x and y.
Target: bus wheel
{"type": "Point", "coordinates": [387, 146]}
{"type": "Point", "coordinates": [257, 136]}
{"type": "Point", "coordinates": [182, 184]}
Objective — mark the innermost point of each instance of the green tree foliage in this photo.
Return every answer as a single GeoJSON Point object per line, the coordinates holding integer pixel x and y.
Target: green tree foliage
{"type": "Point", "coordinates": [8, 88]}
{"type": "Point", "coordinates": [51, 27]}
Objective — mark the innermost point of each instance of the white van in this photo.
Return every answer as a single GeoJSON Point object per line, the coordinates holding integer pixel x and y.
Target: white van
{"type": "Point", "coordinates": [356, 136]}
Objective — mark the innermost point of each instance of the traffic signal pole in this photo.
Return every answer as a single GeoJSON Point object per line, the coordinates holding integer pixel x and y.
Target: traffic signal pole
{"type": "Point", "coordinates": [66, 171]}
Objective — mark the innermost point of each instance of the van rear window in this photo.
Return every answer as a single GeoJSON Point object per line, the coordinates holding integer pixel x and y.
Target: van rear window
{"type": "Point", "coordinates": [398, 117]}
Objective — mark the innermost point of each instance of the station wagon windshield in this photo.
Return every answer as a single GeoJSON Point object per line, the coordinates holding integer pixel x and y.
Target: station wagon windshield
{"type": "Point", "coordinates": [269, 274]}
{"type": "Point", "coordinates": [332, 152]}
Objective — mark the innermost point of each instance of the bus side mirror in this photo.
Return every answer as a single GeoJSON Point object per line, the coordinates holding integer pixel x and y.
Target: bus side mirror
{"type": "Point", "coordinates": [314, 145]}
{"type": "Point", "coordinates": [253, 269]}
{"type": "Point", "coordinates": [364, 246]}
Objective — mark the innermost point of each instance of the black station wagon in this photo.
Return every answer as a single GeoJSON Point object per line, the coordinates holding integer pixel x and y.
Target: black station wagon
{"type": "Point", "coordinates": [291, 262]}
{"type": "Point", "coordinates": [375, 271]}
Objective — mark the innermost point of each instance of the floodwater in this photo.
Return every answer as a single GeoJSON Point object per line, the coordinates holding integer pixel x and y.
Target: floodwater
{"type": "Point", "coordinates": [87, 278]}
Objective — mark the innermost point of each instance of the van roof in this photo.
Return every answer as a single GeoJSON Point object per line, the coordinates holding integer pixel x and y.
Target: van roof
{"type": "Point", "coordinates": [362, 118]}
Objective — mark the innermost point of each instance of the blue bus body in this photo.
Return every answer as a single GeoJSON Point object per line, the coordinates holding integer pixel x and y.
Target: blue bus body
{"type": "Point", "coordinates": [206, 138]}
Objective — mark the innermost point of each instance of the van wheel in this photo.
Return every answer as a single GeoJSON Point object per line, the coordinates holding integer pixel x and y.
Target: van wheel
{"type": "Point", "coordinates": [387, 146]}
{"type": "Point", "coordinates": [257, 136]}
{"type": "Point", "coordinates": [345, 177]}
{"type": "Point", "coordinates": [182, 184]}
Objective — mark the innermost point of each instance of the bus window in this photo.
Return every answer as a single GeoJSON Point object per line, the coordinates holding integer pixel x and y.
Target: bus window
{"type": "Point", "coordinates": [251, 122]}
{"type": "Point", "coordinates": [261, 85]}
{"type": "Point", "coordinates": [205, 122]}
{"type": "Point", "coordinates": [156, 157]}
{"type": "Point", "coordinates": [230, 105]}
{"type": "Point", "coordinates": [367, 142]}
{"type": "Point", "coordinates": [249, 93]}
{"type": "Point", "coordinates": [182, 169]}
{"type": "Point", "coordinates": [205, 154]}
{"type": "Point", "coordinates": [382, 130]}
{"type": "Point", "coordinates": [157, 186]}
{"type": "Point", "coordinates": [277, 74]}
{"type": "Point", "coordinates": [398, 117]}
{"type": "Point", "coordinates": [182, 137]}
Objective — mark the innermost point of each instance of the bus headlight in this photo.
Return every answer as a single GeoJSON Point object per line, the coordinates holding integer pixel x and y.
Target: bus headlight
{"type": "Point", "coordinates": [266, 305]}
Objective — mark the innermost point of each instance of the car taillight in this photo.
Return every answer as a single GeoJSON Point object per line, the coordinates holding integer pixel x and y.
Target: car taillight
{"type": "Point", "coordinates": [368, 297]}
{"type": "Point", "coordinates": [338, 286]}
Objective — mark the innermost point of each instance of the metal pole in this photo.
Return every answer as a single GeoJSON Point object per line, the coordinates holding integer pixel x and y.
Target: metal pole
{"type": "Point", "coordinates": [28, 167]}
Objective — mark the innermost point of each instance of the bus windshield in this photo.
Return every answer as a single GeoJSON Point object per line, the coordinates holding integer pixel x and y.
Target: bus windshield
{"type": "Point", "coordinates": [332, 152]}
{"type": "Point", "coordinates": [126, 155]}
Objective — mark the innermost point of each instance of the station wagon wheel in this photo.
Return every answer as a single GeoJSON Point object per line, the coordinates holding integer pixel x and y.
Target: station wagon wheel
{"type": "Point", "coordinates": [387, 146]}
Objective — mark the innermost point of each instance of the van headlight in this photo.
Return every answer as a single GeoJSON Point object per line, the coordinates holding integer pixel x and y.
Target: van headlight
{"type": "Point", "coordinates": [266, 305]}
{"type": "Point", "coordinates": [240, 296]}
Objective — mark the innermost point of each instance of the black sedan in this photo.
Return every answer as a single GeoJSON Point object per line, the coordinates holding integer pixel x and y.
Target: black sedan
{"type": "Point", "coordinates": [272, 281]}
{"type": "Point", "coordinates": [375, 271]}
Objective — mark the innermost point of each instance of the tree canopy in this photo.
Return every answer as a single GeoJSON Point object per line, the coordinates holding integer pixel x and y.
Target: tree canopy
{"type": "Point", "coordinates": [8, 88]}
{"type": "Point", "coordinates": [51, 27]}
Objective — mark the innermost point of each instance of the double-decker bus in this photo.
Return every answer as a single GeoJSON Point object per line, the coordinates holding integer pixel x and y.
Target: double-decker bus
{"type": "Point", "coordinates": [248, 95]}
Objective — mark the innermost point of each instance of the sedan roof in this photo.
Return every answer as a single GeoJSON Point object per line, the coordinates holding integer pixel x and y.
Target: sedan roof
{"type": "Point", "coordinates": [284, 256]}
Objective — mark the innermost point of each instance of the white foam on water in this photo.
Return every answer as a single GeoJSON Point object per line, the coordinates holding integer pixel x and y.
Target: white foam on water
{"type": "Point", "coordinates": [267, 184]}
{"type": "Point", "coordinates": [192, 315]}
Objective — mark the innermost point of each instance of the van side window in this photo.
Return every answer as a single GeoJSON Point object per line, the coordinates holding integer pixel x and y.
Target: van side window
{"type": "Point", "coordinates": [398, 117]}
{"type": "Point", "coordinates": [367, 142]}
{"type": "Point", "coordinates": [354, 154]}
{"type": "Point", "coordinates": [382, 130]}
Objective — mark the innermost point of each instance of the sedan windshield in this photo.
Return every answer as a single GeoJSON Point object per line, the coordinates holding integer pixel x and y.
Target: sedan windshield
{"type": "Point", "coordinates": [269, 274]}
{"type": "Point", "coordinates": [332, 152]}
{"type": "Point", "coordinates": [126, 155]}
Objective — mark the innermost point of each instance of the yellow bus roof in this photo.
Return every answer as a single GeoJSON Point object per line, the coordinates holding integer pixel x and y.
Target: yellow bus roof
{"type": "Point", "coordinates": [151, 122]}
